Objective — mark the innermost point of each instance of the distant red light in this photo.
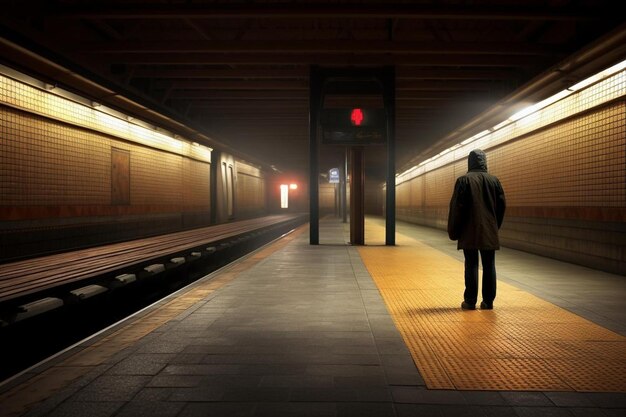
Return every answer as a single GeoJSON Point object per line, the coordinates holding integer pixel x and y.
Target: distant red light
{"type": "Point", "coordinates": [356, 117]}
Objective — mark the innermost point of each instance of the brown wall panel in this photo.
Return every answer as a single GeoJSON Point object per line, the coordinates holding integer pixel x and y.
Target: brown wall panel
{"type": "Point", "coordinates": [120, 176]}
{"type": "Point", "coordinates": [565, 186]}
{"type": "Point", "coordinates": [250, 190]}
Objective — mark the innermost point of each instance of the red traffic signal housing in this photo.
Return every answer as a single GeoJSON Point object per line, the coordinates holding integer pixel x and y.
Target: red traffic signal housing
{"type": "Point", "coordinates": [358, 117]}
{"type": "Point", "coordinates": [353, 126]}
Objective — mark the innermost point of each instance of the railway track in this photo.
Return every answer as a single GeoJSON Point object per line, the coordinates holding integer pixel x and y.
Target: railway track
{"type": "Point", "coordinates": [51, 302]}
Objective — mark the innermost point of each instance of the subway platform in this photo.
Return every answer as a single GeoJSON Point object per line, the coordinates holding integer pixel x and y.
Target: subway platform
{"type": "Point", "coordinates": [338, 330]}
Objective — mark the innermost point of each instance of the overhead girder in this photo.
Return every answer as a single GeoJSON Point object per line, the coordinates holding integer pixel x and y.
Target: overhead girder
{"type": "Point", "coordinates": [329, 11]}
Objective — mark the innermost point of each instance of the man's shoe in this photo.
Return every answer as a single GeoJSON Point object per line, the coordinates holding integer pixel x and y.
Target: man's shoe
{"type": "Point", "coordinates": [485, 306]}
{"type": "Point", "coordinates": [468, 306]}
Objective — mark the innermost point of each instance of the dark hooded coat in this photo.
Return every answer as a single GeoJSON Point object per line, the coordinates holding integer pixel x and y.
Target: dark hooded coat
{"type": "Point", "coordinates": [477, 206]}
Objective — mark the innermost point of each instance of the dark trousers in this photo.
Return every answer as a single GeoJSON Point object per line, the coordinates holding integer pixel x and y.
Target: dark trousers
{"type": "Point", "coordinates": [471, 275]}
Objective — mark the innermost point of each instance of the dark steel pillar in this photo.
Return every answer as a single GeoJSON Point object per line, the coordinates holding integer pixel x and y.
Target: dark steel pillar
{"type": "Point", "coordinates": [344, 189]}
{"type": "Point", "coordinates": [389, 96]}
{"type": "Point", "coordinates": [215, 163]}
{"type": "Point", "coordinates": [357, 197]}
{"type": "Point", "coordinates": [315, 93]}
{"type": "Point", "coordinates": [337, 200]}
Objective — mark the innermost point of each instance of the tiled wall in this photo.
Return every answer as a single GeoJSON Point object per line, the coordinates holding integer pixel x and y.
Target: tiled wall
{"type": "Point", "coordinates": [47, 163]}
{"type": "Point", "coordinates": [565, 184]}
{"type": "Point", "coordinates": [251, 193]}
{"type": "Point", "coordinates": [56, 176]}
{"type": "Point", "coordinates": [40, 158]}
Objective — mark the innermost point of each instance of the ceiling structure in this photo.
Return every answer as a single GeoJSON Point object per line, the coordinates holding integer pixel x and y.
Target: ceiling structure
{"type": "Point", "coordinates": [238, 70]}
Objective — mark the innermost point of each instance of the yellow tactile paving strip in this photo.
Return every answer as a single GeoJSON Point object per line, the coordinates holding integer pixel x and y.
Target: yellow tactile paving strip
{"type": "Point", "coordinates": [525, 343]}
{"type": "Point", "coordinates": [24, 396]}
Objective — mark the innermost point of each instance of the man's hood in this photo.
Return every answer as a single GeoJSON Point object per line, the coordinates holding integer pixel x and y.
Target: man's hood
{"type": "Point", "coordinates": [477, 161]}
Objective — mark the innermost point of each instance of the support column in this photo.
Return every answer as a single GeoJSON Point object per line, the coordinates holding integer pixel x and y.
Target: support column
{"type": "Point", "coordinates": [314, 107]}
{"type": "Point", "coordinates": [344, 189]}
{"type": "Point", "coordinates": [215, 163]}
{"type": "Point", "coordinates": [389, 97]}
{"type": "Point", "coordinates": [357, 197]}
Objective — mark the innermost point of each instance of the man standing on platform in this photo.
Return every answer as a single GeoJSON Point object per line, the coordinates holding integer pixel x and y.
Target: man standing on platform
{"type": "Point", "coordinates": [476, 213]}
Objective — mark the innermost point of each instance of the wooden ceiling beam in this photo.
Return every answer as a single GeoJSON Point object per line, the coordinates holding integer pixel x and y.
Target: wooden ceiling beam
{"type": "Point", "coordinates": [268, 72]}
{"type": "Point", "coordinates": [404, 72]}
{"type": "Point", "coordinates": [253, 85]}
{"type": "Point", "coordinates": [277, 58]}
{"type": "Point", "coordinates": [334, 11]}
{"type": "Point", "coordinates": [295, 98]}
{"type": "Point", "coordinates": [303, 86]}
{"type": "Point", "coordinates": [297, 95]}
{"type": "Point", "coordinates": [447, 85]}
{"type": "Point", "coordinates": [218, 73]}
{"type": "Point", "coordinates": [242, 105]}
{"type": "Point", "coordinates": [333, 46]}
{"type": "Point", "coordinates": [404, 97]}
{"type": "Point", "coordinates": [264, 127]}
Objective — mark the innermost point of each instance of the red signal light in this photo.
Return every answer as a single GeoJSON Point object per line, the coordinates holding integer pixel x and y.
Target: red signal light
{"type": "Point", "coordinates": [356, 117]}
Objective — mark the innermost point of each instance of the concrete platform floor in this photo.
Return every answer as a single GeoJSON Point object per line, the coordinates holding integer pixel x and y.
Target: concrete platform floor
{"type": "Point", "coordinates": [295, 330]}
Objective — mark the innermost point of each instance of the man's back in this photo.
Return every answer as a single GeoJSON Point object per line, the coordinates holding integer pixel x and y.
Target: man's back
{"type": "Point", "coordinates": [477, 206]}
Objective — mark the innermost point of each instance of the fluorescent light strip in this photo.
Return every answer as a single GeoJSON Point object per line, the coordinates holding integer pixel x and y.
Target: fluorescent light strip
{"type": "Point", "coordinates": [51, 103]}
